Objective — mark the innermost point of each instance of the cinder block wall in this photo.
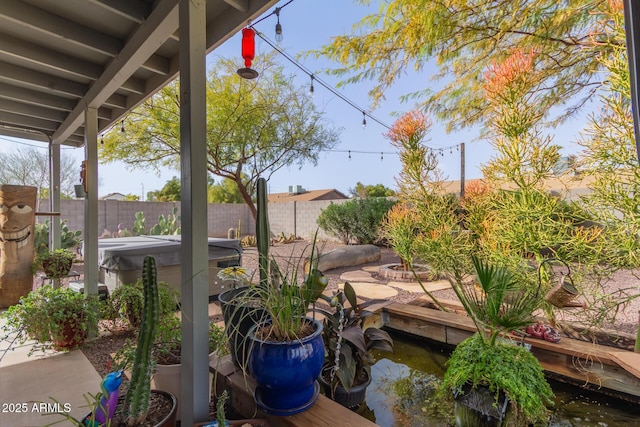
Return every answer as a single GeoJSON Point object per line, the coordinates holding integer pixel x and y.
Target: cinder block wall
{"type": "Point", "coordinates": [112, 213]}
{"type": "Point", "coordinates": [297, 218]}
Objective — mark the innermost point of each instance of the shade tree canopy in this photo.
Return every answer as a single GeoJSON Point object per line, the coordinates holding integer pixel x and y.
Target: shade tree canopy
{"type": "Point", "coordinates": [254, 127]}
{"type": "Point", "coordinates": [462, 38]}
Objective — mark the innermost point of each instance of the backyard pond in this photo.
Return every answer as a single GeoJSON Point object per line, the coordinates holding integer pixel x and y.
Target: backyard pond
{"type": "Point", "coordinates": [402, 381]}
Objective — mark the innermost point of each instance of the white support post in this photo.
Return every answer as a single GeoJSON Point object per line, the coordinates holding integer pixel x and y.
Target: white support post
{"type": "Point", "coordinates": [54, 195]}
{"type": "Point", "coordinates": [194, 401]}
{"type": "Point", "coordinates": [90, 232]}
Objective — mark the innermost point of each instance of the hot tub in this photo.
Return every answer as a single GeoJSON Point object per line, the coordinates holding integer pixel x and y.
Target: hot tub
{"type": "Point", "coordinates": [120, 259]}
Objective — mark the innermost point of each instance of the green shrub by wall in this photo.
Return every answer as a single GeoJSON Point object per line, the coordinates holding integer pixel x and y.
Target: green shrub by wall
{"type": "Point", "coordinates": [355, 221]}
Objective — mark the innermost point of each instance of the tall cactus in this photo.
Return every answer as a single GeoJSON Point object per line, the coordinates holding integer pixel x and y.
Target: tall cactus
{"type": "Point", "coordinates": [137, 398]}
{"type": "Point", "coordinates": [262, 232]}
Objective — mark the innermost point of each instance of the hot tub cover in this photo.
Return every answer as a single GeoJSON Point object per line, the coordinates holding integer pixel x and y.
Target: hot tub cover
{"type": "Point", "coordinates": [128, 253]}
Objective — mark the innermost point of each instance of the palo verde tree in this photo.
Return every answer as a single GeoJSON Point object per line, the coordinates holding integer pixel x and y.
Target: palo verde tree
{"type": "Point", "coordinates": [463, 38]}
{"type": "Point", "coordinates": [254, 127]}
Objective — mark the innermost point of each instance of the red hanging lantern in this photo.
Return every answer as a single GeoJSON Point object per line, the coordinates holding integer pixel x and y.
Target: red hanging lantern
{"type": "Point", "coordinates": [248, 53]}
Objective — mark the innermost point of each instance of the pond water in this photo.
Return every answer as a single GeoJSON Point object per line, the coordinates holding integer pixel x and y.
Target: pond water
{"type": "Point", "coordinates": [401, 381]}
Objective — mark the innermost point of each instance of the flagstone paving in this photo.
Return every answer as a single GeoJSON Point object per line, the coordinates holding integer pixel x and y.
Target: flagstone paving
{"type": "Point", "coordinates": [416, 288]}
{"type": "Point", "coordinates": [358, 276]}
{"type": "Point", "coordinates": [373, 290]}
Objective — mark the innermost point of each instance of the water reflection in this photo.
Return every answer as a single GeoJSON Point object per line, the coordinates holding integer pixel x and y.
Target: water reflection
{"type": "Point", "coordinates": [415, 365]}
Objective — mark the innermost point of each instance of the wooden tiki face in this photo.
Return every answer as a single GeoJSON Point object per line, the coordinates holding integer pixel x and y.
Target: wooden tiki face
{"type": "Point", "coordinates": [17, 219]}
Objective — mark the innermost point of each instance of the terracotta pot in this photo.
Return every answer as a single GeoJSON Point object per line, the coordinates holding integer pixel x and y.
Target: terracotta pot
{"type": "Point", "coordinates": [71, 335]}
{"type": "Point", "coordinates": [169, 378]}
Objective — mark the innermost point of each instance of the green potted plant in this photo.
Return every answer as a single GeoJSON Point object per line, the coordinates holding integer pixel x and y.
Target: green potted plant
{"type": "Point", "coordinates": [55, 264]}
{"type": "Point", "coordinates": [488, 363]}
{"type": "Point", "coordinates": [54, 317]}
{"type": "Point", "coordinates": [166, 354]}
{"type": "Point", "coordinates": [240, 310]}
{"type": "Point", "coordinates": [140, 406]}
{"type": "Point", "coordinates": [286, 350]}
{"type": "Point", "coordinates": [348, 341]}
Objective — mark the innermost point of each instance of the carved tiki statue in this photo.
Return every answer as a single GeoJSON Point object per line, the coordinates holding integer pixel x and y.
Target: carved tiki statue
{"type": "Point", "coordinates": [17, 222]}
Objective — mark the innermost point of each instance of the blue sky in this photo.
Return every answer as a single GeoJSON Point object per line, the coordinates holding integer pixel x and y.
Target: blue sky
{"type": "Point", "coordinates": [307, 25]}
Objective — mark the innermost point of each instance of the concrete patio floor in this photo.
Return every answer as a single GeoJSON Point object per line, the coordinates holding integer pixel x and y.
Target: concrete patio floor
{"type": "Point", "coordinates": [28, 384]}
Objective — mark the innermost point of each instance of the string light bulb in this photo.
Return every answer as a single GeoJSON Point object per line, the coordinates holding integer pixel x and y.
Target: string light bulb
{"type": "Point", "coordinates": [311, 86]}
{"type": "Point", "coordinates": [364, 120]}
{"type": "Point", "coordinates": [278, 26]}
{"type": "Point", "coordinates": [101, 139]}
{"type": "Point", "coordinates": [122, 126]}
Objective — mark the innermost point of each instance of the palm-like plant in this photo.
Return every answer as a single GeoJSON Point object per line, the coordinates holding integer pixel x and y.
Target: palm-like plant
{"type": "Point", "coordinates": [497, 304]}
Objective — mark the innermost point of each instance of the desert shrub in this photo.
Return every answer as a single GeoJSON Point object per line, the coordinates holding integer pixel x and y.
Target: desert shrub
{"type": "Point", "coordinates": [126, 301]}
{"type": "Point", "coordinates": [356, 220]}
{"type": "Point", "coordinates": [400, 228]}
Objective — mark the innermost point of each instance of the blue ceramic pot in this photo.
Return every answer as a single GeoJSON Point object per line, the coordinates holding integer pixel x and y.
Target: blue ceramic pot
{"type": "Point", "coordinates": [286, 372]}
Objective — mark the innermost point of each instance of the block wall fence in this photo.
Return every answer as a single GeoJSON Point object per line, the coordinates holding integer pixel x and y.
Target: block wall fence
{"type": "Point", "coordinates": [297, 218]}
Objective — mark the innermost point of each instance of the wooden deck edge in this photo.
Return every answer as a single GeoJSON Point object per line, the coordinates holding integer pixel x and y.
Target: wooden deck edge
{"type": "Point", "coordinates": [578, 361]}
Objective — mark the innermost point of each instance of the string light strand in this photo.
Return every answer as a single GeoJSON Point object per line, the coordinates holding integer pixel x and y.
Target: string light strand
{"type": "Point", "coordinates": [320, 81]}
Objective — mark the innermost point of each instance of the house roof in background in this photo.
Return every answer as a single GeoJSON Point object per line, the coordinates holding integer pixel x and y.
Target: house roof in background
{"type": "Point", "coordinates": [113, 196]}
{"type": "Point", "coordinates": [306, 196]}
{"type": "Point", "coordinates": [560, 183]}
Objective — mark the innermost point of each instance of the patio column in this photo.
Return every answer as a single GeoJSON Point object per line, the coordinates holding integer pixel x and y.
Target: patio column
{"type": "Point", "coordinates": [194, 251]}
{"type": "Point", "coordinates": [54, 195]}
{"type": "Point", "coordinates": [90, 232]}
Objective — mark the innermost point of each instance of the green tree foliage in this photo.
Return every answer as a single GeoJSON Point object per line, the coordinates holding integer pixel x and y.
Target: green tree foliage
{"type": "Point", "coordinates": [254, 127]}
{"type": "Point", "coordinates": [225, 191]}
{"type": "Point", "coordinates": [30, 166]}
{"type": "Point", "coordinates": [407, 34]}
{"type": "Point", "coordinates": [524, 157]}
{"type": "Point", "coordinates": [377, 190]}
{"type": "Point", "coordinates": [610, 153]}
{"type": "Point", "coordinates": [170, 192]}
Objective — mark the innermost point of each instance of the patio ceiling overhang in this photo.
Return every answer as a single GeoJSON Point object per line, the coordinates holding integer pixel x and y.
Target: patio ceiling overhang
{"type": "Point", "coordinates": [58, 58]}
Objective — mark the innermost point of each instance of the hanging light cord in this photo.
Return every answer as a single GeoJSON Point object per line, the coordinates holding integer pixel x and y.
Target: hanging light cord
{"type": "Point", "coordinates": [275, 12]}
{"type": "Point", "coordinates": [318, 80]}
